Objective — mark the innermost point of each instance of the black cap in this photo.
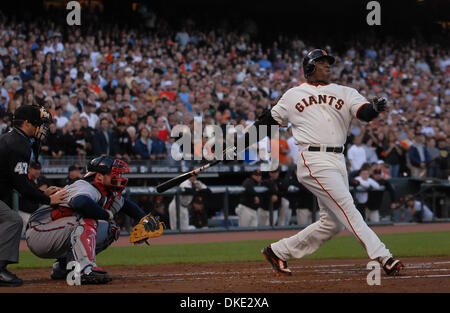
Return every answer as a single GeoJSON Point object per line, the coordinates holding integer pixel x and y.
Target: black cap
{"type": "Point", "coordinates": [257, 172]}
{"type": "Point", "coordinates": [198, 200]}
{"type": "Point", "coordinates": [74, 167]}
{"type": "Point", "coordinates": [30, 113]}
{"type": "Point", "coordinates": [35, 165]}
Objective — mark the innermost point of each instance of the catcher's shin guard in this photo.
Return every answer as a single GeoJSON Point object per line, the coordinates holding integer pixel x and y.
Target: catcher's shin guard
{"type": "Point", "coordinates": [83, 242]}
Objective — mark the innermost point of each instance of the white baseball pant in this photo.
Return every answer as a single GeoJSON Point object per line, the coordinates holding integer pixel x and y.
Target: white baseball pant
{"type": "Point", "coordinates": [325, 175]}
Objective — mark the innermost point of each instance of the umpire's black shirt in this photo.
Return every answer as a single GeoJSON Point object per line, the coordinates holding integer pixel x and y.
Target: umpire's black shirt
{"type": "Point", "coordinates": [15, 153]}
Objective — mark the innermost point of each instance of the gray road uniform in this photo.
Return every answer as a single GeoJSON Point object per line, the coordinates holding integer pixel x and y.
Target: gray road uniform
{"type": "Point", "coordinates": [81, 229]}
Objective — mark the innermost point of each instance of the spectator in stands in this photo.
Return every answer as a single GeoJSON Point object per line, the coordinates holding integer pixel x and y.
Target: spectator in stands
{"type": "Point", "coordinates": [419, 157]}
{"type": "Point", "coordinates": [163, 128]}
{"type": "Point", "coordinates": [379, 141]}
{"type": "Point", "coordinates": [444, 158]}
{"type": "Point", "coordinates": [61, 120]}
{"type": "Point", "coordinates": [68, 141]}
{"type": "Point", "coordinates": [52, 146]}
{"type": "Point", "coordinates": [370, 150]}
{"type": "Point", "coordinates": [357, 154]}
{"type": "Point", "coordinates": [124, 141]}
{"type": "Point", "coordinates": [143, 144]}
{"type": "Point", "coordinates": [89, 113]}
{"type": "Point", "coordinates": [250, 201]}
{"type": "Point", "coordinates": [104, 141]}
{"type": "Point", "coordinates": [88, 134]}
{"type": "Point", "coordinates": [392, 153]}
{"type": "Point", "coordinates": [80, 139]}
{"type": "Point", "coordinates": [158, 147]}
{"type": "Point", "coordinates": [433, 166]}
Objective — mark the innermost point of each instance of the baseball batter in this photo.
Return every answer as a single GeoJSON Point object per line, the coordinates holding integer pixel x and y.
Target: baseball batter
{"type": "Point", "coordinates": [320, 113]}
{"type": "Point", "coordinates": [79, 230]}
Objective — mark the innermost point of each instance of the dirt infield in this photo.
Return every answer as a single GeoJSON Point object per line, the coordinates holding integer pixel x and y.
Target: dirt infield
{"type": "Point", "coordinates": [427, 274]}
{"type": "Point", "coordinates": [336, 276]}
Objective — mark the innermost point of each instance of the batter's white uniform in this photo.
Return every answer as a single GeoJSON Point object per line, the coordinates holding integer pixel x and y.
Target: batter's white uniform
{"type": "Point", "coordinates": [320, 117]}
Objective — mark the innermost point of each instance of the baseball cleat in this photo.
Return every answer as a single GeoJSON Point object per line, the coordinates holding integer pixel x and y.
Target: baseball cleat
{"type": "Point", "coordinates": [95, 276]}
{"type": "Point", "coordinates": [392, 266]}
{"type": "Point", "coordinates": [8, 279]}
{"type": "Point", "coordinates": [279, 266]}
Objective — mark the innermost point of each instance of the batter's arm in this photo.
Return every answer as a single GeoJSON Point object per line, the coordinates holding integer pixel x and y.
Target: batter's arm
{"type": "Point", "coordinates": [369, 111]}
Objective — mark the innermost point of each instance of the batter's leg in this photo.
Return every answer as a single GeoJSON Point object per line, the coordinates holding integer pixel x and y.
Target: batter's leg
{"type": "Point", "coordinates": [309, 239]}
{"type": "Point", "coordinates": [328, 182]}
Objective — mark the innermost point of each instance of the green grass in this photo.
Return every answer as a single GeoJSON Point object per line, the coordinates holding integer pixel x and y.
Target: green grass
{"type": "Point", "coordinates": [401, 245]}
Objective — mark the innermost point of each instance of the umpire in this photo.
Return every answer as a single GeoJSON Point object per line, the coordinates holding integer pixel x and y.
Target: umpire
{"type": "Point", "coordinates": [15, 152]}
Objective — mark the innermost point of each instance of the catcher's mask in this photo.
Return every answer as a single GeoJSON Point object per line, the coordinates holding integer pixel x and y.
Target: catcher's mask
{"type": "Point", "coordinates": [309, 62]}
{"type": "Point", "coordinates": [108, 166]}
{"type": "Point", "coordinates": [37, 116]}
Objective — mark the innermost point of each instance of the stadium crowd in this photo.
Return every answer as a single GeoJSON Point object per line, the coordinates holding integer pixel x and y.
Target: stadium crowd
{"type": "Point", "coordinates": [120, 91]}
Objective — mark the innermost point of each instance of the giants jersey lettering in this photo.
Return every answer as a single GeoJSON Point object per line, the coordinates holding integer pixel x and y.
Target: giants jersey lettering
{"type": "Point", "coordinates": [318, 114]}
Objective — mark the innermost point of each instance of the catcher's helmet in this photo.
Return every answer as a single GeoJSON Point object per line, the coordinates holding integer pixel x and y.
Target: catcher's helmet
{"type": "Point", "coordinates": [107, 165]}
{"type": "Point", "coordinates": [309, 62]}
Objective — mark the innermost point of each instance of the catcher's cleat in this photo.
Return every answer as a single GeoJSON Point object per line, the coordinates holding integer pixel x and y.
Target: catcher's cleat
{"type": "Point", "coordinates": [279, 266]}
{"type": "Point", "coordinates": [58, 273]}
{"type": "Point", "coordinates": [392, 266]}
{"type": "Point", "coordinates": [95, 276]}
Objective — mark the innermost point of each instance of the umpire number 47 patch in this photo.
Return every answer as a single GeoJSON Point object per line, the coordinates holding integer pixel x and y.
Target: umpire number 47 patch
{"type": "Point", "coordinates": [21, 168]}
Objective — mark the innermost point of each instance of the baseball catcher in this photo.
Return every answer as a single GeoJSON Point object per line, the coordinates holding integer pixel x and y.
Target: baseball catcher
{"type": "Point", "coordinates": [79, 230]}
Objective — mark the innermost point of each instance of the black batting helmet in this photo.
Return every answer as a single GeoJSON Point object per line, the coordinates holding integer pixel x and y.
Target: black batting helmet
{"type": "Point", "coordinates": [309, 62]}
{"type": "Point", "coordinates": [107, 165]}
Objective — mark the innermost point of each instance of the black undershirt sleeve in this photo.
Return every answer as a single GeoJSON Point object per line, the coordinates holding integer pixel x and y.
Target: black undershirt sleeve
{"type": "Point", "coordinates": [366, 113]}
{"type": "Point", "coordinates": [265, 119]}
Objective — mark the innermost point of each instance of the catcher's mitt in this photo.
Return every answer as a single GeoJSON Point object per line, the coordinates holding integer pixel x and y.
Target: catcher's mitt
{"type": "Point", "coordinates": [148, 227]}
